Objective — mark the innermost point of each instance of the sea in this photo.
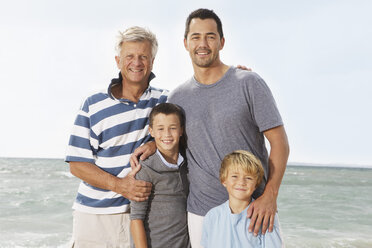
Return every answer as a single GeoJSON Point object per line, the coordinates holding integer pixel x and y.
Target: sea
{"type": "Point", "coordinates": [318, 206]}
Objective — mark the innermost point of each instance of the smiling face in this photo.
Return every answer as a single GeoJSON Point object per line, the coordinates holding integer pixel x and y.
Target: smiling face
{"type": "Point", "coordinates": [135, 62]}
{"type": "Point", "coordinates": [166, 130]}
{"type": "Point", "coordinates": [239, 184]}
{"type": "Point", "coordinates": [203, 42]}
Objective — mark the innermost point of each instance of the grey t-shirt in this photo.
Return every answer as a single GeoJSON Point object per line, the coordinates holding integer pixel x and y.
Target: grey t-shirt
{"type": "Point", "coordinates": [228, 115]}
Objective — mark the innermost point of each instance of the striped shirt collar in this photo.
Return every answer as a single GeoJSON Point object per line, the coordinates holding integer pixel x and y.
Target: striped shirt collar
{"type": "Point", "coordinates": [119, 81]}
{"type": "Point", "coordinates": [179, 161]}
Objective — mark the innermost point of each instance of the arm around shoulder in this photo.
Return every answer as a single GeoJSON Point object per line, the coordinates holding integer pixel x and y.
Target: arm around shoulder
{"type": "Point", "coordinates": [263, 210]}
{"type": "Point", "coordinates": [93, 175]}
{"type": "Point", "coordinates": [128, 186]}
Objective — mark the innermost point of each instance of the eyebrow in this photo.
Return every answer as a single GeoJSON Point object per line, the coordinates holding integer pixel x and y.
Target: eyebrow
{"type": "Point", "coordinates": [209, 33]}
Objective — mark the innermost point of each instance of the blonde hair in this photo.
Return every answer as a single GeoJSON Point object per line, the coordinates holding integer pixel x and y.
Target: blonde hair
{"type": "Point", "coordinates": [137, 34]}
{"type": "Point", "coordinates": [245, 161]}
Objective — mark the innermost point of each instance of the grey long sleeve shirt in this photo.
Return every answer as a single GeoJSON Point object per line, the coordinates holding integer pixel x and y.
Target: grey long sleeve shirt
{"type": "Point", "coordinates": [164, 214]}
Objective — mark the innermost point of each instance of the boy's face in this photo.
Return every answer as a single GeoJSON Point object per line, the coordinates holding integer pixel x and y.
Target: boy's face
{"type": "Point", "coordinates": [166, 130]}
{"type": "Point", "coordinates": [239, 184]}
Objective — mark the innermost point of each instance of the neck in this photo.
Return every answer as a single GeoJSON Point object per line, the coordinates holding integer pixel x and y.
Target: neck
{"type": "Point", "coordinates": [210, 75]}
{"type": "Point", "coordinates": [129, 91]}
{"type": "Point", "coordinates": [237, 206]}
{"type": "Point", "coordinates": [170, 156]}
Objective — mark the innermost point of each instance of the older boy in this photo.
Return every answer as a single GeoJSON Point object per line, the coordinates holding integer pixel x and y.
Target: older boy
{"type": "Point", "coordinates": [162, 220]}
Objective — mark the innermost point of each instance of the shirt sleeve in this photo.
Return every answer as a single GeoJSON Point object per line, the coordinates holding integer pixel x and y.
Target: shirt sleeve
{"type": "Point", "coordinates": [138, 210]}
{"type": "Point", "coordinates": [262, 104]}
{"type": "Point", "coordinates": [83, 142]}
{"type": "Point", "coordinates": [274, 238]}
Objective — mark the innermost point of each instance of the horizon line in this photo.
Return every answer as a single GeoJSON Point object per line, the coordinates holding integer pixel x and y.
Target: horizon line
{"type": "Point", "coordinates": [289, 163]}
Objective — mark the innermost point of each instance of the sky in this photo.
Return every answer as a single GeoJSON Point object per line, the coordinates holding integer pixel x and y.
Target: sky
{"type": "Point", "coordinates": [316, 57]}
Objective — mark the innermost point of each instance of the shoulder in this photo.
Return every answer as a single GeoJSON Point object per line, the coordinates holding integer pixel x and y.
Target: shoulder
{"type": "Point", "coordinates": [148, 166]}
{"type": "Point", "coordinates": [251, 83]}
{"type": "Point", "coordinates": [94, 99]}
{"type": "Point", "coordinates": [274, 238]}
{"type": "Point", "coordinates": [160, 94]}
{"type": "Point", "coordinates": [150, 162]}
{"type": "Point", "coordinates": [180, 90]}
{"type": "Point", "coordinates": [248, 77]}
{"type": "Point", "coordinates": [220, 210]}
{"type": "Point", "coordinates": [159, 91]}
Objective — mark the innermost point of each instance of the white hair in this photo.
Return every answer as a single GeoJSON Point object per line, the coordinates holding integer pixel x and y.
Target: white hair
{"type": "Point", "coordinates": [137, 34]}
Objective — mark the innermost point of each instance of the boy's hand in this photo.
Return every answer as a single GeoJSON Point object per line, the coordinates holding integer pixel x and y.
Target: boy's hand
{"type": "Point", "coordinates": [262, 212]}
{"type": "Point", "coordinates": [144, 152]}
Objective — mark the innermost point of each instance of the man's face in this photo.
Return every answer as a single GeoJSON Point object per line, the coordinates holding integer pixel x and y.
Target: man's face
{"type": "Point", "coordinates": [135, 61]}
{"type": "Point", "coordinates": [203, 42]}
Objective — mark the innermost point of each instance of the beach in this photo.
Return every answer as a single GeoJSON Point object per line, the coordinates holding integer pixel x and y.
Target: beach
{"type": "Point", "coordinates": [318, 206]}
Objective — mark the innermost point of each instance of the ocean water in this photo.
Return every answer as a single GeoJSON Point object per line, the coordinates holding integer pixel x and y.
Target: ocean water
{"type": "Point", "coordinates": [318, 207]}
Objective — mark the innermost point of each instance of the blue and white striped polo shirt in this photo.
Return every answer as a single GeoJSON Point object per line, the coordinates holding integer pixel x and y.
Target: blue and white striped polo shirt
{"type": "Point", "coordinates": [105, 133]}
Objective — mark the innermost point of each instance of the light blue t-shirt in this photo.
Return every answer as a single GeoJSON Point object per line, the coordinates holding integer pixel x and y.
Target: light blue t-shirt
{"type": "Point", "coordinates": [221, 228]}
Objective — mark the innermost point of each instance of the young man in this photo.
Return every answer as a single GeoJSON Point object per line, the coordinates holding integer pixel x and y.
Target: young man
{"type": "Point", "coordinates": [226, 225]}
{"type": "Point", "coordinates": [109, 127]}
{"type": "Point", "coordinates": [226, 109]}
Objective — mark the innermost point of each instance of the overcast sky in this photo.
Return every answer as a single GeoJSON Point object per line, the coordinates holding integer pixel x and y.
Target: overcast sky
{"type": "Point", "coordinates": [316, 56]}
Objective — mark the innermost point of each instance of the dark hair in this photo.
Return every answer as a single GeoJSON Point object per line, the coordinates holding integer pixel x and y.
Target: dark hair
{"type": "Point", "coordinates": [167, 109]}
{"type": "Point", "coordinates": [203, 14]}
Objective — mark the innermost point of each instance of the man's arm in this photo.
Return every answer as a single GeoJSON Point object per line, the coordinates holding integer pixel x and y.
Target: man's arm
{"type": "Point", "coordinates": [128, 186]}
{"type": "Point", "coordinates": [138, 232]}
{"type": "Point", "coordinates": [263, 209]}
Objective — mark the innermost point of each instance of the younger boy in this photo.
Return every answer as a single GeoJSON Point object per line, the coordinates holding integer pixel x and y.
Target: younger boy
{"type": "Point", "coordinates": [162, 221]}
{"type": "Point", "coordinates": [227, 224]}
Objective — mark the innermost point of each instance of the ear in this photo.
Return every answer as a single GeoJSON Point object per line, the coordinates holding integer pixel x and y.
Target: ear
{"type": "Point", "coordinates": [117, 59]}
{"type": "Point", "coordinates": [182, 129]}
{"type": "Point", "coordinates": [151, 132]}
{"type": "Point", "coordinates": [185, 44]}
{"type": "Point", "coordinates": [222, 43]}
{"type": "Point", "coordinates": [223, 183]}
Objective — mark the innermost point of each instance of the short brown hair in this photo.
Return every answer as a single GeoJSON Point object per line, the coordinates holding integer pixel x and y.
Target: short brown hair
{"type": "Point", "coordinates": [203, 14]}
{"type": "Point", "coordinates": [167, 109]}
{"type": "Point", "coordinates": [244, 160]}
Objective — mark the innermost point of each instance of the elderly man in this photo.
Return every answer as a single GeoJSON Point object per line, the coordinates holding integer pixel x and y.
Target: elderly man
{"type": "Point", "coordinates": [226, 109]}
{"type": "Point", "coordinates": [109, 127]}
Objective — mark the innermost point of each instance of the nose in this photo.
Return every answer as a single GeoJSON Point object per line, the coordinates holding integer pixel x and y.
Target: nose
{"type": "Point", "coordinates": [137, 61]}
{"type": "Point", "coordinates": [204, 42]}
{"type": "Point", "coordinates": [242, 181]}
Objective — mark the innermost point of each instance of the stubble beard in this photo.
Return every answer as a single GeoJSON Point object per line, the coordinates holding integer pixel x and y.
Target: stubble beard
{"type": "Point", "coordinates": [204, 62]}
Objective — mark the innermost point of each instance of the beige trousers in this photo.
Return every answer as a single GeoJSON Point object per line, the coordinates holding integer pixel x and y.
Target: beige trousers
{"type": "Point", "coordinates": [100, 230]}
